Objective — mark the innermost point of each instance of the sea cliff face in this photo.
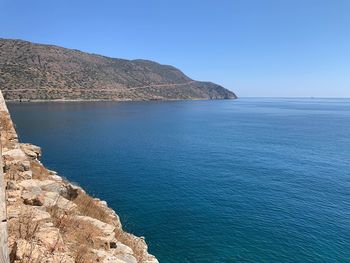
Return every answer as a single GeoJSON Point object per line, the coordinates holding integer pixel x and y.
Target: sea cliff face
{"type": "Point", "coordinates": [31, 71]}
{"type": "Point", "coordinates": [52, 220]}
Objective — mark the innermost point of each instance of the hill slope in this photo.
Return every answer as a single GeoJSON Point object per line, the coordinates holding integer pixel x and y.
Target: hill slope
{"type": "Point", "coordinates": [38, 72]}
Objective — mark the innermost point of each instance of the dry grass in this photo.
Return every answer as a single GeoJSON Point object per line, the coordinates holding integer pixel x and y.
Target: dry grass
{"type": "Point", "coordinates": [24, 227]}
{"type": "Point", "coordinates": [87, 206]}
{"type": "Point", "coordinates": [39, 171]}
{"type": "Point", "coordinates": [135, 243]}
{"type": "Point", "coordinates": [5, 121]}
{"type": "Point", "coordinates": [80, 236]}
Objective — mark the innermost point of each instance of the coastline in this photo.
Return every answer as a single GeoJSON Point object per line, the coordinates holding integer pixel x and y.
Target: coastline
{"type": "Point", "coordinates": [51, 219]}
{"type": "Point", "coordinates": [112, 100]}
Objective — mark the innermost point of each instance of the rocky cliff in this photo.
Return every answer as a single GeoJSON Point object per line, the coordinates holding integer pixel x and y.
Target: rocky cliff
{"type": "Point", "coordinates": [52, 220]}
{"type": "Point", "coordinates": [31, 71]}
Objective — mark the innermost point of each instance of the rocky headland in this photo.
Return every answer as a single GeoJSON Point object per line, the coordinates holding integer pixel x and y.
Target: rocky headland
{"type": "Point", "coordinates": [31, 71]}
{"type": "Point", "coordinates": [51, 220]}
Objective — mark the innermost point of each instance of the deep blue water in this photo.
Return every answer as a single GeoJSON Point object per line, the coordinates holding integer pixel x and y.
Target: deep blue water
{"type": "Point", "coordinates": [250, 180]}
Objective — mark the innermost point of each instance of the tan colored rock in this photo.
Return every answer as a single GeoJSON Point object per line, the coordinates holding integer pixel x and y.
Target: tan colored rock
{"type": "Point", "coordinates": [26, 175]}
{"type": "Point", "coordinates": [60, 258]}
{"type": "Point", "coordinates": [65, 204]}
{"type": "Point", "coordinates": [40, 215]}
{"type": "Point", "coordinates": [14, 194]}
{"type": "Point", "coordinates": [50, 198]}
{"type": "Point", "coordinates": [30, 184]}
{"type": "Point", "coordinates": [55, 177]}
{"type": "Point", "coordinates": [151, 259]}
{"type": "Point", "coordinates": [119, 248]}
{"type": "Point", "coordinates": [54, 199]}
{"type": "Point", "coordinates": [12, 185]}
{"type": "Point", "coordinates": [24, 250]}
{"type": "Point", "coordinates": [107, 230]}
{"type": "Point", "coordinates": [50, 238]}
{"type": "Point", "coordinates": [18, 165]}
{"type": "Point", "coordinates": [52, 186]}
{"type": "Point", "coordinates": [15, 154]}
{"type": "Point", "coordinates": [31, 150]}
{"type": "Point", "coordinates": [127, 258]}
{"type": "Point", "coordinates": [107, 257]}
{"type": "Point", "coordinates": [30, 198]}
{"type": "Point", "coordinates": [12, 212]}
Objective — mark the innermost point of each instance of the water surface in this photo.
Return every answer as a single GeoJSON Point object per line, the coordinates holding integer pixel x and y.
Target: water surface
{"type": "Point", "coordinates": [250, 180]}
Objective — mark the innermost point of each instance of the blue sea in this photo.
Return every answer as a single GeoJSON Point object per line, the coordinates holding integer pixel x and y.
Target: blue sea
{"type": "Point", "coordinates": [247, 180]}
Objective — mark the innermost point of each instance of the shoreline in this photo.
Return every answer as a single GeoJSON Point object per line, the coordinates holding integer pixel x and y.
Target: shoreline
{"type": "Point", "coordinates": [51, 219]}
{"type": "Point", "coordinates": [111, 100]}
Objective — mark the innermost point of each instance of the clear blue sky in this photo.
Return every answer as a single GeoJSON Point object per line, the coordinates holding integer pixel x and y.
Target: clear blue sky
{"type": "Point", "coordinates": [253, 47]}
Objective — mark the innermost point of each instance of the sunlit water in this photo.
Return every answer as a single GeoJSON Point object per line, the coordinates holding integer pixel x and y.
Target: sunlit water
{"type": "Point", "coordinates": [250, 180]}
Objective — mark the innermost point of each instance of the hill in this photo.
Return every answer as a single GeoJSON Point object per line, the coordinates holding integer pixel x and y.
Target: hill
{"type": "Point", "coordinates": [31, 71]}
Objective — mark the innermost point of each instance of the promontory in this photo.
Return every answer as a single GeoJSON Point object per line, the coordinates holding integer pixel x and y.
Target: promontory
{"type": "Point", "coordinates": [31, 71]}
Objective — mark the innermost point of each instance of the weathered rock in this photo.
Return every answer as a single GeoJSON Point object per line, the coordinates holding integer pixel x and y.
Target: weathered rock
{"type": "Point", "coordinates": [17, 165]}
{"type": "Point", "coordinates": [31, 150]}
{"type": "Point", "coordinates": [127, 258]}
{"type": "Point", "coordinates": [107, 230]}
{"type": "Point", "coordinates": [23, 250]}
{"type": "Point", "coordinates": [54, 199]}
{"type": "Point", "coordinates": [106, 257]}
{"type": "Point", "coordinates": [53, 186]}
{"type": "Point", "coordinates": [15, 154]}
{"type": "Point", "coordinates": [26, 175]}
{"type": "Point", "coordinates": [12, 212]}
{"type": "Point", "coordinates": [71, 192]}
{"type": "Point", "coordinates": [50, 198]}
{"type": "Point", "coordinates": [51, 172]}
{"type": "Point", "coordinates": [50, 238]}
{"type": "Point", "coordinates": [31, 185]}
{"type": "Point", "coordinates": [39, 215]}
{"type": "Point", "coordinates": [58, 257]}
{"type": "Point", "coordinates": [55, 177]}
{"type": "Point", "coordinates": [12, 185]}
{"type": "Point", "coordinates": [30, 198]}
{"type": "Point", "coordinates": [119, 248]}
{"type": "Point", "coordinates": [65, 204]}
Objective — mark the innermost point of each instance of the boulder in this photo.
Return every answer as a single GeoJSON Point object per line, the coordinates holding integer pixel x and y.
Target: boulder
{"type": "Point", "coordinates": [31, 185]}
{"type": "Point", "coordinates": [32, 151]}
{"type": "Point", "coordinates": [106, 257]}
{"type": "Point", "coordinates": [52, 186]}
{"type": "Point", "coordinates": [107, 230]}
{"type": "Point", "coordinates": [15, 154]}
{"type": "Point", "coordinates": [65, 204]}
{"type": "Point", "coordinates": [50, 198]}
{"type": "Point", "coordinates": [40, 215]}
{"type": "Point", "coordinates": [55, 177]}
{"type": "Point", "coordinates": [30, 198]}
{"type": "Point", "coordinates": [53, 198]}
{"type": "Point", "coordinates": [127, 258]}
{"type": "Point", "coordinates": [71, 192]}
{"type": "Point", "coordinates": [119, 248]}
{"type": "Point", "coordinates": [17, 165]}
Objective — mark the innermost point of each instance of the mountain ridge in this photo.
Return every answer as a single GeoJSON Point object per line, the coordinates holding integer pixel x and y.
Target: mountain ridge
{"type": "Point", "coordinates": [30, 71]}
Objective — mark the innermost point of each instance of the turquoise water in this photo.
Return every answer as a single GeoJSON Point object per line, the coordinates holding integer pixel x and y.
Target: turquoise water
{"type": "Point", "coordinates": [251, 180]}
